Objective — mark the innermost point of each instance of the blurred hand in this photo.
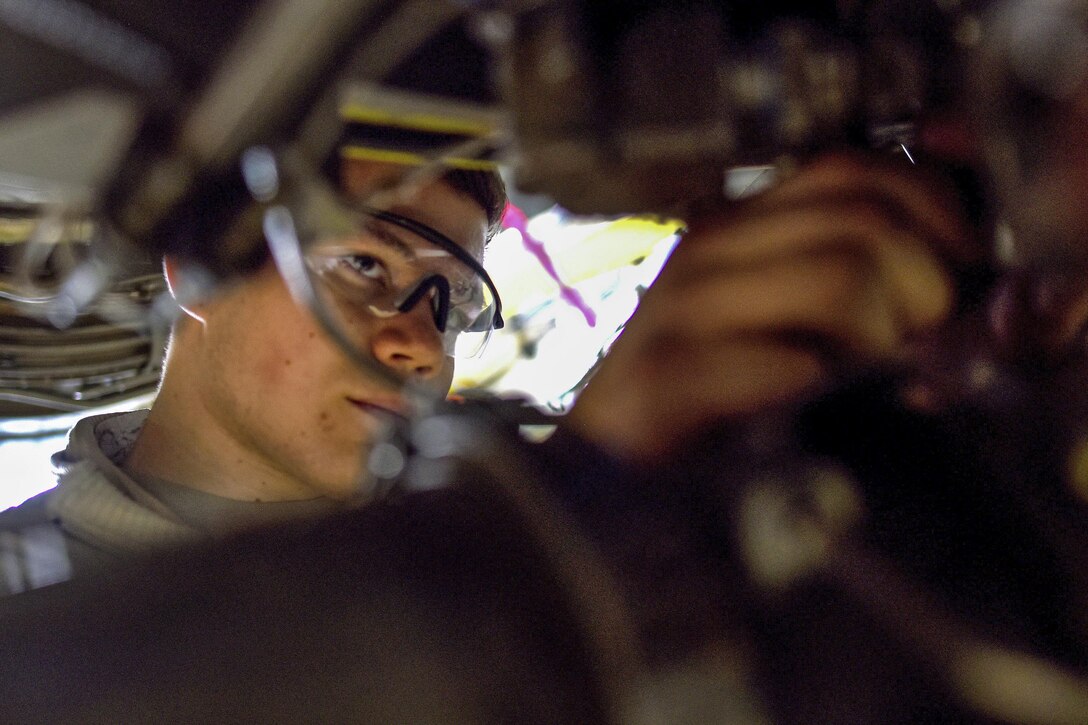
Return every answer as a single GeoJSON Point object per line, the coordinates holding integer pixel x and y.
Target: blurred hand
{"type": "Point", "coordinates": [840, 265]}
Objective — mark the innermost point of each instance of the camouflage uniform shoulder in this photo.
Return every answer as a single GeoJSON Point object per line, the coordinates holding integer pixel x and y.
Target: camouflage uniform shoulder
{"type": "Point", "coordinates": [33, 550]}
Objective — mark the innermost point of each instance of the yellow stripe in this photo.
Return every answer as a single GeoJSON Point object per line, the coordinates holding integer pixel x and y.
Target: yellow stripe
{"type": "Point", "coordinates": [19, 231]}
{"type": "Point", "coordinates": [415, 121]}
{"type": "Point", "coordinates": [16, 231]}
{"type": "Point", "coordinates": [618, 244]}
{"type": "Point", "coordinates": [362, 153]}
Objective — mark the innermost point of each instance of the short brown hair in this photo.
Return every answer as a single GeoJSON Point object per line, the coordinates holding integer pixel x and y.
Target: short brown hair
{"type": "Point", "coordinates": [486, 188]}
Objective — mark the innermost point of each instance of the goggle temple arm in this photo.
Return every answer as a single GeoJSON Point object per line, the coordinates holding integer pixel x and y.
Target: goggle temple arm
{"type": "Point", "coordinates": [444, 242]}
{"type": "Point", "coordinates": [440, 307]}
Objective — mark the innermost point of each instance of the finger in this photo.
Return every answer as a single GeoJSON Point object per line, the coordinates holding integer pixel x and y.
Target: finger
{"type": "Point", "coordinates": [688, 389]}
{"type": "Point", "coordinates": [882, 289]}
{"type": "Point", "coordinates": [910, 199]}
{"type": "Point", "coordinates": [923, 286]}
{"type": "Point", "coordinates": [732, 381]}
{"type": "Point", "coordinates": [746, 233]}
{"type": "Point", "coordinates": [926, 198]}
{"type": "Point", "coordinates": [836, 296]}
{"type": "Point", "coordinates": [921, 289]}
{"type": "Point", "coordinates": [796, 229]}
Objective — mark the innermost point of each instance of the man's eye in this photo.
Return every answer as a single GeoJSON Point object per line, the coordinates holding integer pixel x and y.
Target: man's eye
{"type": "Point", "coordinates": [364, 265]}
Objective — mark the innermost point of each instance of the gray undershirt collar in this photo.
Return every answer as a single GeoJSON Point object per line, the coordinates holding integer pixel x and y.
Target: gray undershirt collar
{"type": "Point", "coordinates": [218, 516]}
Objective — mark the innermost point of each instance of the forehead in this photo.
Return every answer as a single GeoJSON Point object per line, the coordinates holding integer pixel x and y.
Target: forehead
{"type": "Point", "coordinates": [435, 204]}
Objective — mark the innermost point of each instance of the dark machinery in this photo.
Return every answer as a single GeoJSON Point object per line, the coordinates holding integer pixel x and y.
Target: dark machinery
{"type": "Point", "coordinates": [858, 561]}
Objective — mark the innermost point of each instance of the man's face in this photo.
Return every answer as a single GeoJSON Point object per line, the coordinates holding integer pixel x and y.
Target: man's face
{"type": "Point", "coordinates": [283, 390]}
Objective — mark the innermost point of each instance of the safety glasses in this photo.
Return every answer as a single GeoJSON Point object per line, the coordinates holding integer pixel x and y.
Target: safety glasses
{"type": "Point", "coordinates": [375, 263]}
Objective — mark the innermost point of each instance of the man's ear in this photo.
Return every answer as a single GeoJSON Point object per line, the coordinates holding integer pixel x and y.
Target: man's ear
{"type": "Point", "coordinates": [189, 286]}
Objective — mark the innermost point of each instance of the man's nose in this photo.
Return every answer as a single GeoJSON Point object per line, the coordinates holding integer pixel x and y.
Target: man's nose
{"type": "Point", "coordinates": [410, 343]}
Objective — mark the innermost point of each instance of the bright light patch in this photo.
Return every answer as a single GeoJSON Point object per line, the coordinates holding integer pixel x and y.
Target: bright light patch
{"type": "Point", "coordinates": [548, 345]}
{"type": "Point", "coordinates": [27, 468]}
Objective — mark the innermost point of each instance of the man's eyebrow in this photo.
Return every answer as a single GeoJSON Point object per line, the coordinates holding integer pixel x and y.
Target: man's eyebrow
{"type": "Point", "coordinates": [387, 237]}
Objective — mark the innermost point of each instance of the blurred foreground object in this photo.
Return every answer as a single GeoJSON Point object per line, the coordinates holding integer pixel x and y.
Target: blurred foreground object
{"type": "Point", "coordinates": [121, 142]}
{"type": "Point", "coordinates": [75, 332]}
{"type": "Point", "coordinates": [660, 98]}
{"type": "Point", "coordinates": [941, 555]}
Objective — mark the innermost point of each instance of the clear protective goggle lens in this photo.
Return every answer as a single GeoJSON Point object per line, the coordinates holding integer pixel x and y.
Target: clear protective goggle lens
{"type": "Point", "coordinates": [388, 265]}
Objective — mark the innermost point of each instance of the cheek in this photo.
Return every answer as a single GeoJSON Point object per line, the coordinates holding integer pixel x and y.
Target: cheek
{"type": "Point", "coordinates": [277, 345]}
{"type": "Point", "coordinates": [445, 379]}
{"type": "Point", "coordinates": [294, 358]}
{"type": "Point", "coordinates": [278, 364]}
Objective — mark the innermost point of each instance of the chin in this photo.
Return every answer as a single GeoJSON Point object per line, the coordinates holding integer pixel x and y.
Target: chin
{"type": "Point", "coordinates": [341, 488]}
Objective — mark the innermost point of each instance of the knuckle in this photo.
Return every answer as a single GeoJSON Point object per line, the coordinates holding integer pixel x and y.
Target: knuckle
{"type": "Point", "coordinates": [868, 217]}
{"type": "Point", "coordinates": [844, 277]}
{"type": "Point", "coordinates": [841, 166]}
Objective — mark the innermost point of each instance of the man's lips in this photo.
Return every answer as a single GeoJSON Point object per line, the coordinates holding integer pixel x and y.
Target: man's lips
{"type": "Point", "coordinates": [381, 407]}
